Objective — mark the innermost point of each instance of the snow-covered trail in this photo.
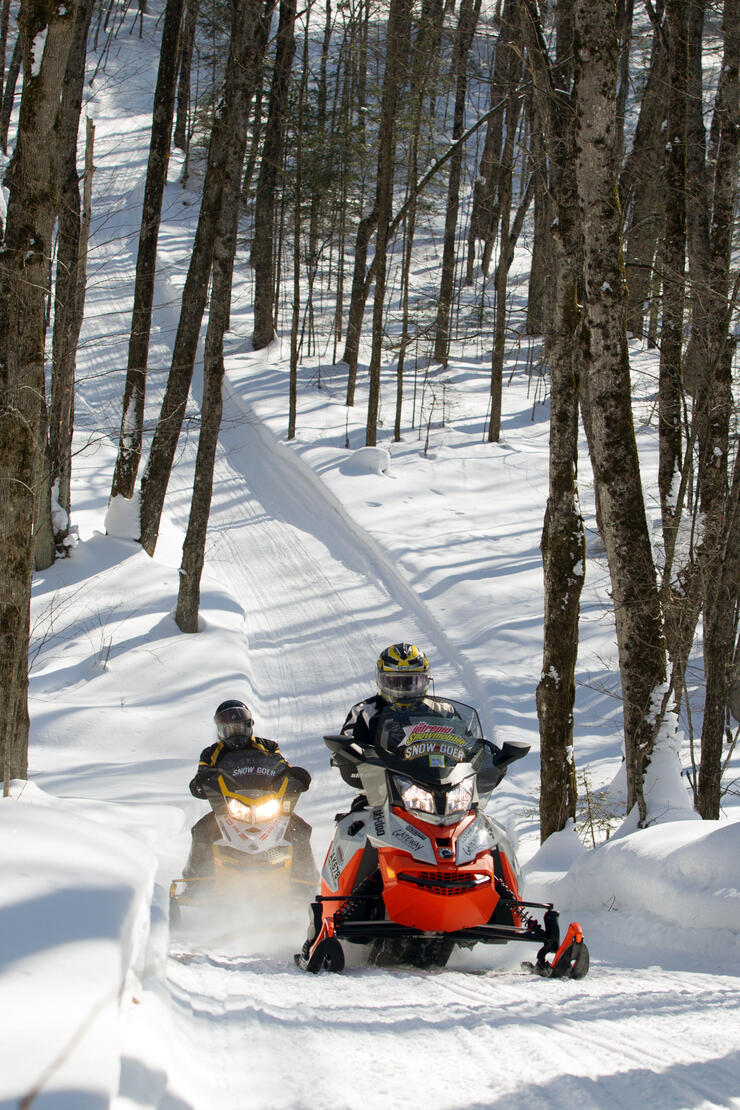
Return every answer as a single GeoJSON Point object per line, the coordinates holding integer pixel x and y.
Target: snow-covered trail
{"type": "Point", "coordinates": [254, 1032]}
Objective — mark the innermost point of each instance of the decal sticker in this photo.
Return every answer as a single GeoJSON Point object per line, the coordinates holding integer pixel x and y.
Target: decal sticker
{"type": "Point", "coordinates": [379, 821]}
{"type": "Point", "coordinates": [411, 840]}
{"type": "Point", "coordinates": [407, 838]}
{"type": "Point", "coordinates": [472, 841]}
{"type": "Point", "coordinates": [435, 747]}
{"type": "Point", "coordinates": [436, 760]}
{"type": "Point", "coordinates": [332, 870]}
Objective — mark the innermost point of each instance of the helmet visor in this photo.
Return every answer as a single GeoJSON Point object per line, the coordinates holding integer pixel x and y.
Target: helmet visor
{"type": "Point", "coordinates": [400, 686]}
{"type": "Point", "coordinates": [234, 721]}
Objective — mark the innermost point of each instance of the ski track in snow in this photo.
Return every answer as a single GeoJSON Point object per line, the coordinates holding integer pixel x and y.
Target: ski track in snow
{"type": "Point", "coordinates": [480, 1039]}
{"type": "Point", "coordinates": [254, 1033]}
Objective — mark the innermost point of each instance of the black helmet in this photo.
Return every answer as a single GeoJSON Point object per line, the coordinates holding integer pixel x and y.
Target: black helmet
{"type": "Point", "coordinates": [402, 673]}
{"type": "Point", "coordinates": [234, 723]}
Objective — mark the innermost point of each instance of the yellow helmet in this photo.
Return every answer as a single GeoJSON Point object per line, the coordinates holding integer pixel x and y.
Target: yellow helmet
{"type": "Point", "coordinates": [402, 673]}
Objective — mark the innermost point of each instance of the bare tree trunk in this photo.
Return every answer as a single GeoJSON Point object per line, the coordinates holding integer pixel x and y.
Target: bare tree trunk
{"type": "Point", "coordinates": [24, 274]}
{"type": "Point", "coordinates": [244, 38]}
{"type": "Point", "coordinates": [674, 253]}
{"type": "Point", "coordinates": [607, 385]}
{"type": "Point", "coordinates": [239, 85]}
{"type": "Point", "coordinates": [425, 60]}
{"type": "Point", "coordinates": [9, 94]}
{"type": "Point", "coordinates": [642, 188]}
{"type": "Point", "coordinates": [715, 409]}
{"type": "Point", "coordinates": [484, 216]}
{"type": "Point", "coordinates": [625, 12]}
{"type": "Point", "coordinates": [132, 409]}
{"type": "Point", "coordinates": [396, 59]}
{"type": "Point", "coordinates": [4, 21]}
{"type": "Point", "coordinates": [562, 544]}
{"type": "Point", "coordinates": [696, 583]}
{"type": "Point", "coordinates": [505, 256]}
{"type": "Point", "coordinates": [539, 299]}
{"type": "Point", "coordinates": [467, 20]}
{"type": "Point", "coordinates": [69, 289]}
{"type": "Point", "coordinates": [358, 296]}
{"type": "Point", "coordinates": [298, 186]}
{"type": "Point", "coordinates": [263, 252]}
{"type": "Point", "coordinates": [187, 42]}
{"type": "Point", "coordinates": [722, 593]}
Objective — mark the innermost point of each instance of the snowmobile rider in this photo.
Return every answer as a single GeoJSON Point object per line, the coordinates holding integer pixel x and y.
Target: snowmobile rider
{"type": "Point", "coordinates": [234, 728]}
{"type": "Point", "coordinates": [402, 678]}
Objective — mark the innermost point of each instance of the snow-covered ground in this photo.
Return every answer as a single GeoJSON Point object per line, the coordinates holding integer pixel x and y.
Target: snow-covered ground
{"type": "Point", "coordinates": [318, 557]}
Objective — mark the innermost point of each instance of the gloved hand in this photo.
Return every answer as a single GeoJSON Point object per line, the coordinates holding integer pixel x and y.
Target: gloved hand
{"type": "Point", "coordinates": [301, 776]}
{"type": "Point", "coordinates": [197, 784]}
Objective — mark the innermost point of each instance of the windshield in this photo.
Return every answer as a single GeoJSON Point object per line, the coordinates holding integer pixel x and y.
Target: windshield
{"type": "Point", "coordinates": [430, 739]}
{"type": "Point", "coordinates": [250, 770]}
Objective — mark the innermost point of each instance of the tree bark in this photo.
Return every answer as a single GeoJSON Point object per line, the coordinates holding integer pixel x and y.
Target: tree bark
{"type": "Point", "coordinates": [244, 35]}
{"type": "Point", "coordinates": [132, 409]}
{"type": "Point", "coordinates": [467, 20]}
{"type": "Point", "coordinates": [610, 430]}
{"type": "Point", "coordinates": [9, 94]}
{"type": "Point", "coordinates": [395, 66]}
{"type": "Point", "coordinates": [263, 251]}
{"type": "Point", "coordinates": [187, 41]}
{"type": "Point", "coordinates": [562, 544]}
{"type": "Point", "coordinates": [69, 287]}
{"type": "Point", "coordinates": [484, 215]}
{"type": "Point", "coordinates": [642, 188]}
{"type": "Point", "coordinates": [239, 84]}
{"type": "Point", "coordinates": [358, 296]}
{"type": "Point", "coordinates": [24, 275]}
{"type": "Point", "coordinates": [506, 253]}
{"type": "Point", "coordinates": [674, 252]}
{"type": "Point", "coordinates": [722, 594]}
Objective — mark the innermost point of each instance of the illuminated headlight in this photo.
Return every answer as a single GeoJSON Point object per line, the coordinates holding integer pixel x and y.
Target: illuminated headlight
{"type": "Point", "coordinates": [264, 811]}
{"type": "Point", "coordinates": [460, 798]}
{"type": "Point", "coordinates": [238, 810]}
{"type": "Point", "coordinates": [267, 810]}
{"type": "Point", "coordinates": [416, 798]}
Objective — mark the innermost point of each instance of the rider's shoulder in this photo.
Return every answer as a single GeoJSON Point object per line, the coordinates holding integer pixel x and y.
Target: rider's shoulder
{"type": "Point", "coordinates": [267, 745]}
{"type": "Point", "coordinates": [367, 707]}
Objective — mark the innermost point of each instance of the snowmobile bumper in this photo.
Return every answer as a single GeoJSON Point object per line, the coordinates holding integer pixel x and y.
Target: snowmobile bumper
{"type": "Point", "coordinates": [570, 958]}
{"type": "Point", "coordinates": [361, 932]}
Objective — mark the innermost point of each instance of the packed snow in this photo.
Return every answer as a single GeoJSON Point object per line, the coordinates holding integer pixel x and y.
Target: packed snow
{"type": "Point", "coordinates": [320, 555]}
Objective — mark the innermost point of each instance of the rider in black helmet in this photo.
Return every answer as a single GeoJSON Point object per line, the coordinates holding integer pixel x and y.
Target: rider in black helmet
{"type": "Point", "coordinates": [235, 731]}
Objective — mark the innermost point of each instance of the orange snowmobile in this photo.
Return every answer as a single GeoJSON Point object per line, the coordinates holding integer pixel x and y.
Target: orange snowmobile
{"type": "Point", "coordinates": [418, 867]}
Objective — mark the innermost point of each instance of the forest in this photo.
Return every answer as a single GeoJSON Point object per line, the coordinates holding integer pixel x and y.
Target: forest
{"type": "Point", "coordinates": [377, 167]}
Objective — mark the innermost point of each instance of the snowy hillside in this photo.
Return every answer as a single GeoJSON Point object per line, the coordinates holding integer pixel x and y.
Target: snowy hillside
{"type": "Point", "coordinates": [318, 557]}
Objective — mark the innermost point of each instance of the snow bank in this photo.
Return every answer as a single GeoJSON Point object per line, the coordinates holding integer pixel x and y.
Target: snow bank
{"type": "Point", "coordinates": [75, 899]}
{"type": "Point", "coordinates": [687, 873]}
{"type": "Point", "coordinates": [367, 460]}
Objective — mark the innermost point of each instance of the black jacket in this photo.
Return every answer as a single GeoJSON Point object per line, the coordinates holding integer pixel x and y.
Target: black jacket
{"type": "Point", "coordinates": [362, 720]}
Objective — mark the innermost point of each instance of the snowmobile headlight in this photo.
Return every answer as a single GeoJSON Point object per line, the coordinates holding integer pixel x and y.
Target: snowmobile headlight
{"type": "Point", "coordinates": [460, 798]}
{"type": "Point", "coordinates": [416, 798]}
{"type": "Point", "coordinates": [265, 811]}
{"type": "Point", "coordinates": [238, 810]}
